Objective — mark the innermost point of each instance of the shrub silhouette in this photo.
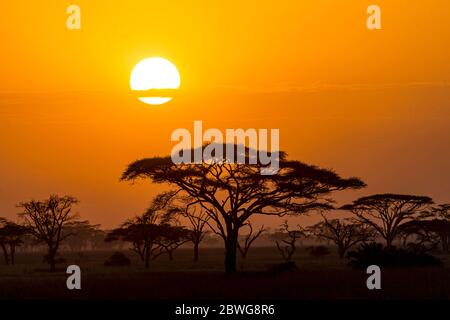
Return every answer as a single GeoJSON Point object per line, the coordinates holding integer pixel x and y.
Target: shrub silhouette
{"type": "Point", "coordinates": [376, 254]}
{"type": "Point", "coordinates": [118, 259]}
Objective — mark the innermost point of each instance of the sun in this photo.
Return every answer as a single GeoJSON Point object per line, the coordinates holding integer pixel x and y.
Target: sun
{"type": "Point", "coordinates": [152, 74]}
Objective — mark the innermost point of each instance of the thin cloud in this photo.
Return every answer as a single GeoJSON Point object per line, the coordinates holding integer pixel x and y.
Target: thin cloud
{"type": "Point", "coordinates": [318, 87]}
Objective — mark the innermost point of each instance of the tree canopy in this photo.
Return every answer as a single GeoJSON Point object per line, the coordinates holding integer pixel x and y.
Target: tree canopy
{"type": "Point", "coordinates": [387, 212]}
{"type": "Point", "coordinates": [230, 193]}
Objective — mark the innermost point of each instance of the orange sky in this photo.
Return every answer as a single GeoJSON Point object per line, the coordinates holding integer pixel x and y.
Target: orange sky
{"type": "Point", "coordinates": [374, 104]}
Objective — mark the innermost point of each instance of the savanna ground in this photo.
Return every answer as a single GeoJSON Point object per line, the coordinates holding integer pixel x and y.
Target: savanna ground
{"type": "Point", "coordinates": [317, 278]}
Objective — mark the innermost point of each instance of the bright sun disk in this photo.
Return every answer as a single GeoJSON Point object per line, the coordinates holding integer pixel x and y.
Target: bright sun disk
{"type": "Point", "coordinates": [154, 73]}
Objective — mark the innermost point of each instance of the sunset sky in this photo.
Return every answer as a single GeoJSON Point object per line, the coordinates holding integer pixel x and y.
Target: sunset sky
{"type": "Point", "coordinates": [373, 104]}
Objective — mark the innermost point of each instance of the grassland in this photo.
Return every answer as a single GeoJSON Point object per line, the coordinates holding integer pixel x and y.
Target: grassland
{"type": "Point", "coordinates": [317, 278]}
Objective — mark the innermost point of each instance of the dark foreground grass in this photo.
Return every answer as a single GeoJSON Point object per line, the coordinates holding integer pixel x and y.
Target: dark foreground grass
{"type": "Point", "coordinates": [317, 278]}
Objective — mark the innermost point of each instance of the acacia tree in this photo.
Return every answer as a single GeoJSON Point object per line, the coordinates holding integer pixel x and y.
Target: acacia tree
{"type": "Point", "coordinates": [46, 219]}
{"type": "Point", "coordinates": [141, 236]}
{"type": "Point", "coordinates": [433, 229]}
{"type": "Point", "coordinates": [249, 238]}
{"type": "Point", "coordinates": [4, 240]}
{"type": "Point", "coordinates": [230, 193]}
{"type": "Point", "coordinates": [150, 234]}
{"type": "Point", "coordinates": [143, 233]}
{"type": "Point", "coordinates": [11, 235]}
{"type": "Point", "coordinates": [79, 234]}
{"type": "Point", "coordinates": [387, 212]}
{"type": "Point", "coordinates": [173, 237]}
{"type": "Point", "coordinates": [198, 232]}
{"type": "Point", "coordinates": [424, 233]}
{"type": "Point", "coordinates": [197, 218]}
{"type": "Point", "coordinates": [441, 213]}
{"type": "Point", "coordinates": [287, 246]}
{"type": "Point", "coordinates": [344, 233]}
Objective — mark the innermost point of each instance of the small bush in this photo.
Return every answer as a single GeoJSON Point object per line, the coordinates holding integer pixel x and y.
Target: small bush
{"type": "Point", "coordinates": [118, 259]}
{"type": "Point", "coordinates": [318, 251]}
{"type": "Point", "coordinates": [376, 254]}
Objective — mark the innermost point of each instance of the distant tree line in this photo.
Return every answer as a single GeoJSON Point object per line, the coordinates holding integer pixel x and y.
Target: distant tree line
{"type": "Point", "coordinates": [221, 198]}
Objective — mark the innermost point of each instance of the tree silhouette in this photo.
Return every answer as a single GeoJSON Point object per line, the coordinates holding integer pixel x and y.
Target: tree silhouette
{"type": "Point", "coordinates": [287, 246]}
{"type": "Point", "coordinates": [46, 219]}
{"type": "Point", "coordinates": [432, 229]}
{"type": "Point", "coordinates": [344, 233]}
{"type": "Point", "coordinates": [230, 193]}
{"type": "Point", "coordinates": [441, 213]}
{"type": "Point", "coordinates": [143, 233]}
{"type": "Point", "coordinates": [198, 221]}
{"type": "Point", "coordinates": [387, 212]}
{"type": "Point", "coordinates": [80, 234]}
{"type": "Point", "coordinates": [249, 238]}
{"type": "Point", "coordinates": [11, 235]}
{"type": "Point", "coordinates": [150, 234]}
{"type": "Point", "coordinates": [173, 237]}
{"type": "Point", "coordinates": [196, 217]}
{"type": "Point", "coordinates": [424, 234]}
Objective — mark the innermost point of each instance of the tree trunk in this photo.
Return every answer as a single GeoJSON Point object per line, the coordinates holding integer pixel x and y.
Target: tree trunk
{"type": "Point", "coordinates": [12, 252]}
{"type": "Point", "coordinates": [230, 251]}
{"type": "Point", "coordinates": [51, 258]}
{"type": "Point", "coordinates": [147, 259]}
{"type": "Point", "coordinates": [444, 241]}
{"type": "Point", "coordinates": [196, 251]}
{"type": "Point", "coordinates": [243, 256]}
{"type": "Point", "coordinates": [341, 252]}
{"type": "Point", "coordinates": [52, 264]}
{"type": "Point", "coordinates": [389, 241]}
{"type": "Point", "coordinates": [5, 253]}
